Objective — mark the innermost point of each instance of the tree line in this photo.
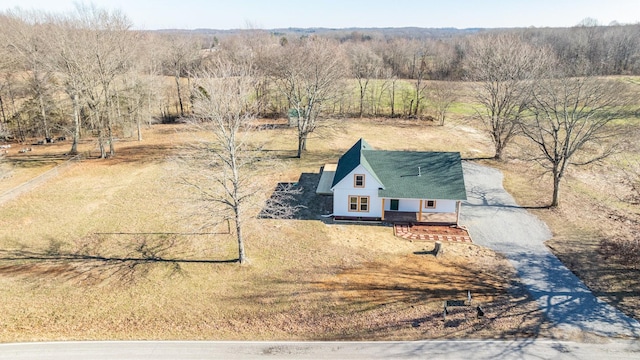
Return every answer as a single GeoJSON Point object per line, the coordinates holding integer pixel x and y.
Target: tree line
{"type": "Point", "coordinates": [87, 73]}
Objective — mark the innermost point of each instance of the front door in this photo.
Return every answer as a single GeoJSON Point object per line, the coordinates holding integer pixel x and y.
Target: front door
{"type": "Point", "coordinates": [395, 204]}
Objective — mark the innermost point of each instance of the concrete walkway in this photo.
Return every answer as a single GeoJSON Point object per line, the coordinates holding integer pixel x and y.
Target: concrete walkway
{"type": "Point", "coordinates": [495, 221]}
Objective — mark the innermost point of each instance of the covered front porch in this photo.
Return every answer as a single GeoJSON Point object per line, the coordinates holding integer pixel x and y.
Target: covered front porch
{"type": "Point", "coordinates": [419, 211]}
{"type": "Point", "coordinates": [420, 218]}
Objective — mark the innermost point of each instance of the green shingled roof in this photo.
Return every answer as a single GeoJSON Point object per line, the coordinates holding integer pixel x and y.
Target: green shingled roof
{"type": "Point", "coordinates": [439, 175]}
{"type": "Point", "coordinates": [351, 159]}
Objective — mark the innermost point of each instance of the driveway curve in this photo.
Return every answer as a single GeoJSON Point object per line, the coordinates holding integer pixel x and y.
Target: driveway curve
{"type": "Point", "coordinates": [496, 221]}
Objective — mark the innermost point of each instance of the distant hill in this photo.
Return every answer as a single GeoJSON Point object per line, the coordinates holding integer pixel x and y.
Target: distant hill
{"type": "Point", "coordinates": [407, 32]}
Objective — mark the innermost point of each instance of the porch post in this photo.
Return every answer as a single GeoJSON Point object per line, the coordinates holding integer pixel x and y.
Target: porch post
{"type": "Point", "coordinates": [382, 216]}
{"type": "Point", "coordinates": [420, 212]}
{"type": "Point", "coordinates": [458, 212]}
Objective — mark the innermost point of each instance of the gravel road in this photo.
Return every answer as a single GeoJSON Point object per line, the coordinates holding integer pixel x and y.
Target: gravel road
{"type": "Point", "coordinates": [497, 222]}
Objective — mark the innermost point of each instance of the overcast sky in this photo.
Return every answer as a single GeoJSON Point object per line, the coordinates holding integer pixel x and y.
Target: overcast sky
{"type": "Point", "coordinates": [269, 14]}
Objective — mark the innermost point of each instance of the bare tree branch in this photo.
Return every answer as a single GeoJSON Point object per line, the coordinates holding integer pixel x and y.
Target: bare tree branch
{"type": "Point", "coordinates": [308, 73]}
{"type": "Point", "coordinates": [503, 67]}
{"type": "Point", "coordinates": [570, 122]}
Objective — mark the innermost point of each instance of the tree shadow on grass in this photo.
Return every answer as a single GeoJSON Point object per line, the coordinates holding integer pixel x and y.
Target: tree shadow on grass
{"type": "Point", "coordinates": [298, 200]}
{"type": "Point", "coordinates": [615, 283]}
{"type": "Point", "coordinates": [379, 301]}
{"type": "Point", "coordinates": [89, 264]}
{"type": "Point", "coordinates": [568, 302]}
{"type": "Point", "coordinates": [35, 161]}
{"type": "Point", "coordinates": [140, 153]}
{"type": "Point", "coordinates": [480, 197]}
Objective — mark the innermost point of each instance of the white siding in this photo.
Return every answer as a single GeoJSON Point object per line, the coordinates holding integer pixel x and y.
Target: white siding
{"type": "Point", "coordinates": [413, 205]}
{"type": "Point", "coordinates": [442, 206]}
{"type": "Point", "coordinates": [345, 188]}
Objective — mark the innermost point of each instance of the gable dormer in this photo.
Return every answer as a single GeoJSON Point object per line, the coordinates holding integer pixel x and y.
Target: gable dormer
{"type": "Point", "coordinates": [350, 160]}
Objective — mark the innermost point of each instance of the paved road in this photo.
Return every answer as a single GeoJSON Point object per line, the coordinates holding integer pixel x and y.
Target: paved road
{"type": "Point", "coordinates": [521, 349]}
{"type": "Point", "coordinates": [497, 222]}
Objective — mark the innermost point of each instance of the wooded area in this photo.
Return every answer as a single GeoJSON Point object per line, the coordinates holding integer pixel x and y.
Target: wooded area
{"type": "Point", "coordinates": [87, 73]}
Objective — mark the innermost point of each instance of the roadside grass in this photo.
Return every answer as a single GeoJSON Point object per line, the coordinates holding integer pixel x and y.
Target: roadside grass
{"type": "Point", "coordinates": [105, 251]}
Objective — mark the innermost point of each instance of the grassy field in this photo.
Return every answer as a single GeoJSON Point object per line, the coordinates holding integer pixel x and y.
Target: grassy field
{"type": "Point", "coordinates": [71, 264]}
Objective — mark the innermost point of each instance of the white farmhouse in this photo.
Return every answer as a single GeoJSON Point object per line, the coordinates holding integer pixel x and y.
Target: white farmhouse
{"type": "Point", "coordinates": [395, 186]}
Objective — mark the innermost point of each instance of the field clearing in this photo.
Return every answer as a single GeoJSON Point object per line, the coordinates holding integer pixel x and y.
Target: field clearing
{"type": "Point", "coordinates": [63, 275]}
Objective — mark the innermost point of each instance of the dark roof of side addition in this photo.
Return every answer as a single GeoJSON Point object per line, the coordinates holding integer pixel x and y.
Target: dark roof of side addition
{"type": "Point", "coordinates": [407, 174]}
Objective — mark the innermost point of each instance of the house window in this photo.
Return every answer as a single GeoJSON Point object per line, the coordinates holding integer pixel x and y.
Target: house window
{"type": "Point", "coordinates": [358, 180]}
{"type": "Point", "coordinates": [359, 203]}
{"type": "Point", "coordinates": [364, 203]}
{"type": "Point", "coordinates": [429, 204]}
{"type": "Point", "coordinates": [353, 203]}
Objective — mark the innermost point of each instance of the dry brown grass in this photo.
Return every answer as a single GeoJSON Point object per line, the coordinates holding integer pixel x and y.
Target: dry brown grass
{"type": "Point", "coordinates": [305, 279]}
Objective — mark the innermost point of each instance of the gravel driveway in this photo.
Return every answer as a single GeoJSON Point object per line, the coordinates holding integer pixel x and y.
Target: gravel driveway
{"type": "Point", "coordinates": [497, 222]}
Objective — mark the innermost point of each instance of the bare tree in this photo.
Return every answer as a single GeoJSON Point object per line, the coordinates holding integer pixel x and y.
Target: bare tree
{"type": "Point", "coordinates": [390, 85]}
{"type": "Point", "coordinates": [445, 59]}
{"type": "Point", "coordinates": [365, 65]}
{"type": "Point", "coordinates": [226, 170]}
{"type": "Point", "coordinates": [442, 96]}
{"type": "Point", "coordinates": [570, 122]}
{"type": "Point", "coordinates": [503, 67]}
{"type": "Point", "coordinates": [253, 48]}
{"type": "Point", "coordinates": [73, 65]}
{"type": "Point", "coordinates": [150, 67]}
{"type": "Point", "coordinates": [132, 98]}
{"type": "Point", "coordinates": [9, 108]}
{"type": "Point", "coordinates": [308, 73]}
{"type": "Point", "coordinates": [420, 84]}
{"type": "Point", "coordinates": [110, 49]}
{"type": "Point", "coordinates": [27, 38]}
{"type": "Point", "coordinates": [223, 106]}
{"type": "Point", "coordinates": [8, 64]}
{"type": "Point", "coordinates": [180, 54]}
